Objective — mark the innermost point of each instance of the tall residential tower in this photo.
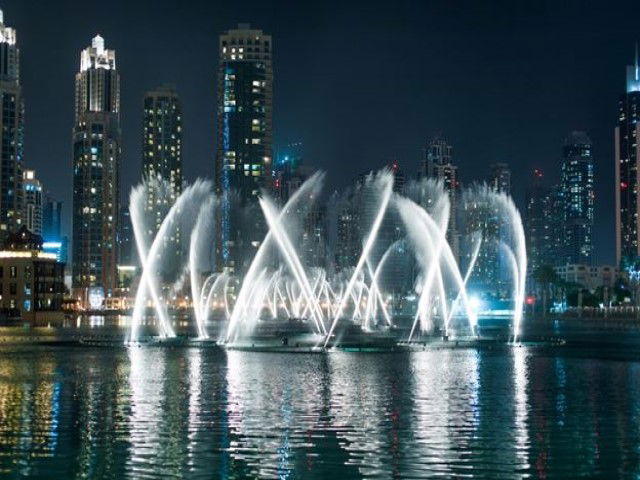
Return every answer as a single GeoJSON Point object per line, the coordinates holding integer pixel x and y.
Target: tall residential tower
{"type": "Point", "coordinates": [32, 214]}
{"type": "Point", "coordinates": [162, 164]}
{"type": "Point", "coordinates": [96, 157]}
{"type": "Point", "coordinates": [627, 152]}
{"type": "Point", "coordinates": [437, 162]}
{"type": "Point", "coordinates": [578, 198]}
{"type": "Point", "coordinates": [244, 134]}
{"type": "Point", "coordinates": [11, 132]}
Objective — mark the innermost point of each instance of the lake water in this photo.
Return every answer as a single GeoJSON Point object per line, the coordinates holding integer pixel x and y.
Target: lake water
{"type": "Point", "coordinates": [70, 412]}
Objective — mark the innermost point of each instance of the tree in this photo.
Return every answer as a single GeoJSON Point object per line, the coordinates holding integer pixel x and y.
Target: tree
{"type": "Point", "coordinates": [545, 278]}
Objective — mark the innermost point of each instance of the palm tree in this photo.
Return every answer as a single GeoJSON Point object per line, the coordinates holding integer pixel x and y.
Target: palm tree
{"type": "Point", "coordinates": [546, 278]}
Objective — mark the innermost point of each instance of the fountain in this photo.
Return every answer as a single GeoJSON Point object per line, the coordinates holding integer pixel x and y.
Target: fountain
{"type": "Point", "coordinates": [368, 231]}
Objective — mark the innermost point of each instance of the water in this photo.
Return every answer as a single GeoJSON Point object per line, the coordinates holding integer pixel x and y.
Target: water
{"type": "Point", "coordinates": [206, 413]}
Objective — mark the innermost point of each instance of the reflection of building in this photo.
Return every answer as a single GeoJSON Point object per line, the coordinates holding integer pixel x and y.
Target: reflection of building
{"type": "Point", "coordinates": [589, 276]}
{"type": "Point", "coordinates": [11, 132]}
{"type": "Point", "coordinates": [162, 157]}
{"type": "Point", "coordinates": [244, 134]}
{"type": "Point", "coordinates": [32, 213]}
{"type": "Point", "coordinates": [437, 162]}
{"type": "Point", "coordinates": [627, 151]}
{"type": "Point", "coordinates": [578, 199]}
{"type": "Point", "coordinates": [32, 281]}
{"type": "Point", "coordinates": [96, 157]}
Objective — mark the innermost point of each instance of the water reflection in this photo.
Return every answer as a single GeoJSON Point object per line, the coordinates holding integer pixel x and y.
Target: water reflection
{"type": "Point", "coordinates": [207, 413]}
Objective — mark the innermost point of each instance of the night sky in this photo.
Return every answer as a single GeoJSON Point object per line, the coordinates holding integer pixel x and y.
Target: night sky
{"type": "Point", "coordinates": [359, 83]}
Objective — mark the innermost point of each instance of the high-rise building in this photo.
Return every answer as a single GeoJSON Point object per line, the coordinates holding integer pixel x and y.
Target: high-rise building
{"type": "Point", "coordinates": [52, 220]}
{"type": "Point", "coordinates": [627, 152]}
{"type": "Point", "coordinates": [437, 162]}
{"type": "Point", "coordinates": [32, 214]}
{"type": "Point", "coordinates": [54, 239]}
{"type": "Point", "coordinates": [127, 254]}
{"type": "Point", "coordinates": [500, 179]}
{"type": "Point", "coordinates": [244, 134]}
{"type": "Point", "coordinates": [543, 223]}
{"type": "Point", "coordinates": [96, 158]}
{"type": "Point", "coordinates": [11, 132]}
{"type": "Point", "coordinates": [578, 199]}
{"type": "Point", "coordinates": [288, 172]}
{"type": "Point", "coordinates": [162, 152]}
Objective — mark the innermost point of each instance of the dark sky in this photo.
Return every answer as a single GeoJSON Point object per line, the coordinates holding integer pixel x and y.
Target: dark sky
{"type": "Point", "coordinates": [360, 83]}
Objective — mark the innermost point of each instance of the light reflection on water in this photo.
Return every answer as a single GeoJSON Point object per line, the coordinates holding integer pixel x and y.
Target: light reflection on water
{"type": "Point", "coordinates": [207, 413]}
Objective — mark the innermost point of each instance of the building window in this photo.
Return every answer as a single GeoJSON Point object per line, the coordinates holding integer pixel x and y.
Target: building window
{"type": "Point", "coordinates": [13, 272]}
{"type": "Point", "coordinates": [13, 290]}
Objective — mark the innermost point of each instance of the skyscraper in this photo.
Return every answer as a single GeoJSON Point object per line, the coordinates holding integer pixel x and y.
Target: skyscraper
{"type": "Point", "coordinates": [162, 150]}
{"type": "Point", "coordinates": [627, 152]}
{"type": "Point", "coordinates": [96, 157]}
{"type": "Point", "coordinates": [32, 215]}
{"type": "Point", "coordinates": [11, 132]}
{"type": "Point", "coordinates": [578, 199]}
{"type": "Point", "coordinates": [500, 179]}
{"type": "Point", "coordinates": [244, 133]}
{"type": "Point", "coordinates": [52, 220]}
{"type": "Point", "coordinates": [543, 223]}
{"type": "Point", "coordinates": [127, 254]}
{"type": "Point", "coordinates": [437, 162]}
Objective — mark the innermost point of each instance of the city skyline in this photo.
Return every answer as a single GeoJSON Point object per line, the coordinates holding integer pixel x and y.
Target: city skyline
{"type": "Point", "coordinates": [585, 97]}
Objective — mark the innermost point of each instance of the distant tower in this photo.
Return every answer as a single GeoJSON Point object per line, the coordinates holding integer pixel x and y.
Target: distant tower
{"type": "Point", "coordinates": [244, 134]}
{"type": "Point", "coordinates": [627, 153]}
{"type": "Point", "coordinates": [437, 162]}
{"type": "Point", "coordinates": [127, 254]}
{"type": "Point", "coordinates": [162, 155]}
{"type": "Point", "coordinates": [543, 223]}
{"type": "Point", "coordinates": [578, 199]}
{"type": "Point", "coordinates": [11, 132]}
{"type": "Point", "coordinates": [52, 220]}
{"type": "Point", "coordinates": [96, 158]}
{"type": "Point", "coordinates": [32, 215]}
{"type": "Point", "coordinates": [500, 179]}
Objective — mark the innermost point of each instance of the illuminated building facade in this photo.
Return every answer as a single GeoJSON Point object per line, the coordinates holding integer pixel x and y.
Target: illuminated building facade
{"type": "Point", "coordinates": [500, 179]}
{"type": "Point", "coordinates": [52, 220]}
{"type": "Point", "coordinates": [578, 198]}
{"type": "Point", "coordinates": [244, 135]}
{"type": "Point", "coordinates": [542, 222]}
{"type": "Point", "coordinates": [162, 155]}
{"type": "Point", "coordinates": [96, 157]}
{"type": "Point", "coordinates": [32, 214]}
{"type": "Point", "coordinates": [11, 132]}
{"type": "Point", "coordinates": [127, 254]}
{"type": "Point", "coordinates": [627, 157]}
{"type": "Point", "coordinates": [31, 280]}
{"type": "Point", "coordinates": [437, 162]}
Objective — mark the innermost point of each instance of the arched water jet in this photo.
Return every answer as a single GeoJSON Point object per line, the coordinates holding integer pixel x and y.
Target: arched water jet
{"type": "Point", "coordinates": [423, 231]}
{"type": "Point", "coordinates": [310, 187]}
{"type": "Point", "coordinates": [292, 259]}
{"type": "Point", "coordinates": [370, 240]}
{"type": "Point", "coordinates": [194, 194]}
{"type": "Point", "coordinates": [204, 215]}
